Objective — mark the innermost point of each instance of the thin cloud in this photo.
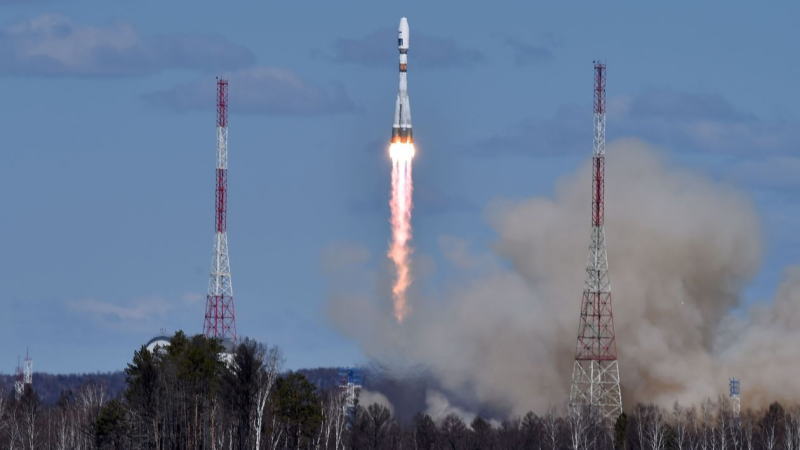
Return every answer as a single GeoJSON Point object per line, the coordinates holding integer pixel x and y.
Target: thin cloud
{"type": "Point", "coordinates": [565, 132]}
{"type": "Point", "coordinates": [778, 172]}
{"type": "Point", "coordinates": [701, 122]}
{"type": "Point", "coordinates": [54, 45]}
{"type": "Point", "coordinates": [193, 297]}
{"type": "Point", "coordinates": [378, 49]}
{"type": "Point", "coordinates": [528, 54]}
{"type": "Point", "coordinates": [341, 254]}
{"type": "Point", "coordinates": [139, 310]}
{"type": "Point", "coordinates": [258, 90]}
{"type": "Point", "coordinates": [667, 104]}
{"type": "Point", "coordinates": [690, 122]}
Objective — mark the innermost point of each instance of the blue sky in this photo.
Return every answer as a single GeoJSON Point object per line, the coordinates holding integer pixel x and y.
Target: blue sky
{"type": "Point", "coordinates": [108, 142]}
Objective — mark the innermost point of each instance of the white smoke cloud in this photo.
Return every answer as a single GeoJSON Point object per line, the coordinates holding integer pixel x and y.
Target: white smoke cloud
{"type": "Point", "coordinates": [763, 353]}
{"type": "Point", "coordinates": [438, 407]}
{"type": "Point", "coordinates": [367, 398]}
{"type": "Point", "coordinates": [681, 247]}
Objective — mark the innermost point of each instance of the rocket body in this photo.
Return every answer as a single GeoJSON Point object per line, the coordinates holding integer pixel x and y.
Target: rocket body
{"type": "Point", "coordinates": [401, 129]}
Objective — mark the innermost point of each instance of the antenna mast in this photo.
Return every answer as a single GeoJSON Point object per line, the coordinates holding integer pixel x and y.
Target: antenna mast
{"type": "Point", "coordinates": [595, 373]}
{"type": "Point", "coordinates": [220, 318]}
{"type": "Point", "coordinates": [736, 396]}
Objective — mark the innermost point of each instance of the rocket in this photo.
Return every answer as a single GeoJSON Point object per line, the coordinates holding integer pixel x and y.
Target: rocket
{"type": "Point", "coordinates": [401, 130]}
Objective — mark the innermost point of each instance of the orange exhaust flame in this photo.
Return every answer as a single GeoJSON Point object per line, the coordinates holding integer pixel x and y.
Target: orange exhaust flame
{"type": "Point", "coordinates": [401, 205]}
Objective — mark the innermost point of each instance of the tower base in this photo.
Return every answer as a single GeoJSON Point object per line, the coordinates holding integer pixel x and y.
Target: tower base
{"type": "Point", "coordinates": [596, 383]}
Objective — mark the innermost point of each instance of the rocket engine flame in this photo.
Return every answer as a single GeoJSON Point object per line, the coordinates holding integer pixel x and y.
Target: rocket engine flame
{"type": "Point", "coordinates": [401, 204]}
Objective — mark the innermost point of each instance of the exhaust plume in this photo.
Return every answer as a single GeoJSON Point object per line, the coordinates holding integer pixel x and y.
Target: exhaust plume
{"type": "Point", "coordinates": [401, 204]}
{"type": "Point", "coordinates": [681, 247]}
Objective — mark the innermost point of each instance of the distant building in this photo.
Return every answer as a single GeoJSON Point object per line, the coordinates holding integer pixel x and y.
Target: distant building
{"type": "Point", "coordinates": [161, 342]}
{"type": "Point", "coordinates": [157, 343]}
{"type": "Point", "coordinates": [228, 347]}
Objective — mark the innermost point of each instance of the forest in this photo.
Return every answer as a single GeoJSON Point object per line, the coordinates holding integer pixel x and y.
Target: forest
{"type": "Point", "coordinates": [192, 395]}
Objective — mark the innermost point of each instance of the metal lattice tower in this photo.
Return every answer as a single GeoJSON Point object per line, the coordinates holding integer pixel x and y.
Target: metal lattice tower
{"type": "Point", "coordinates": [220, 319]}
{"type": "Point", "coordinates": [736, 396]}
{"type": "Point", "coordinates": [595, 374]}
{"type": "Point", "coordinates": [350, 384]}
{"type": "Point", "coordinates": [27, 369]}
{"type": "Point", "coordinates": [24, 376]}
{"type": "Point", "coordinates": [19, 381]}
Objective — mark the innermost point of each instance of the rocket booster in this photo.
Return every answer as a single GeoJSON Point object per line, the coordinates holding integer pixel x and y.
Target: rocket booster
{"type": "Point", "coordinates": [401, 130]}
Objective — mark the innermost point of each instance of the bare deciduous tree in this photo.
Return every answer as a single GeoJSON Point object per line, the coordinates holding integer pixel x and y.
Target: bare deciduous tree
{"type": "Point", "coordinates": [579, 421]}
{"type": "Point", "coordinates": [550, 425]}
{"type": "Point", "coordinates": [682, 420]}
{"type": "Point", "coordinates": [271, 361]}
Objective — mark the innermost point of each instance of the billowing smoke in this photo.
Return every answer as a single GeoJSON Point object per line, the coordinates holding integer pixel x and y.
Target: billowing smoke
{"type": "Point", "coordinates": [439, 408]}
{"type": "Point", "coordinates": [764, 352]}
{"type": "Point", "coordinates": [367, 397]}
{"type": "Point", "coordinates": [681, 247]}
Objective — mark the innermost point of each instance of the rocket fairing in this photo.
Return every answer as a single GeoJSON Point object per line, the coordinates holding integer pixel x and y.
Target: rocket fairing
{"type": "Point", "coordinates": [401, 130]}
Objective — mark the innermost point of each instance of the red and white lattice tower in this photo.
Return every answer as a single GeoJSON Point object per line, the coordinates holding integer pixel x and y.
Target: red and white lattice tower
{"type": "Point", "coordinates": [595, 374]}
{"type": "Point", "coordinates": [220, 320]}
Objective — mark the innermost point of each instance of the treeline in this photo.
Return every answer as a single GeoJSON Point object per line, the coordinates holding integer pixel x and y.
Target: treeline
{"type": "Point", "coordinates": [191, 395]}
{"type": "Point", "coordinates": [50, 386]}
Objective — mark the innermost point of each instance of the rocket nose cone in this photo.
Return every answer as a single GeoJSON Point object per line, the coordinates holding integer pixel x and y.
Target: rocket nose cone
{"type": "Point", "coordinates": [403, 28]}
{"type": "Point", "coordinates": [403, 38]}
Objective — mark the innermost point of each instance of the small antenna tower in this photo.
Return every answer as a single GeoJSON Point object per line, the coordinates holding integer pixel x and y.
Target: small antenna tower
{"type": "Point", "coordinates": [19, 381]}
{"type": "Point", "coordinates": [24, 376]}
{"type": "Point", "coordinates": [350, 388]}
{"type": "Point", "coordinates": [27, 369]}
{"type": "Point", "coordinates": [736, 396]}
